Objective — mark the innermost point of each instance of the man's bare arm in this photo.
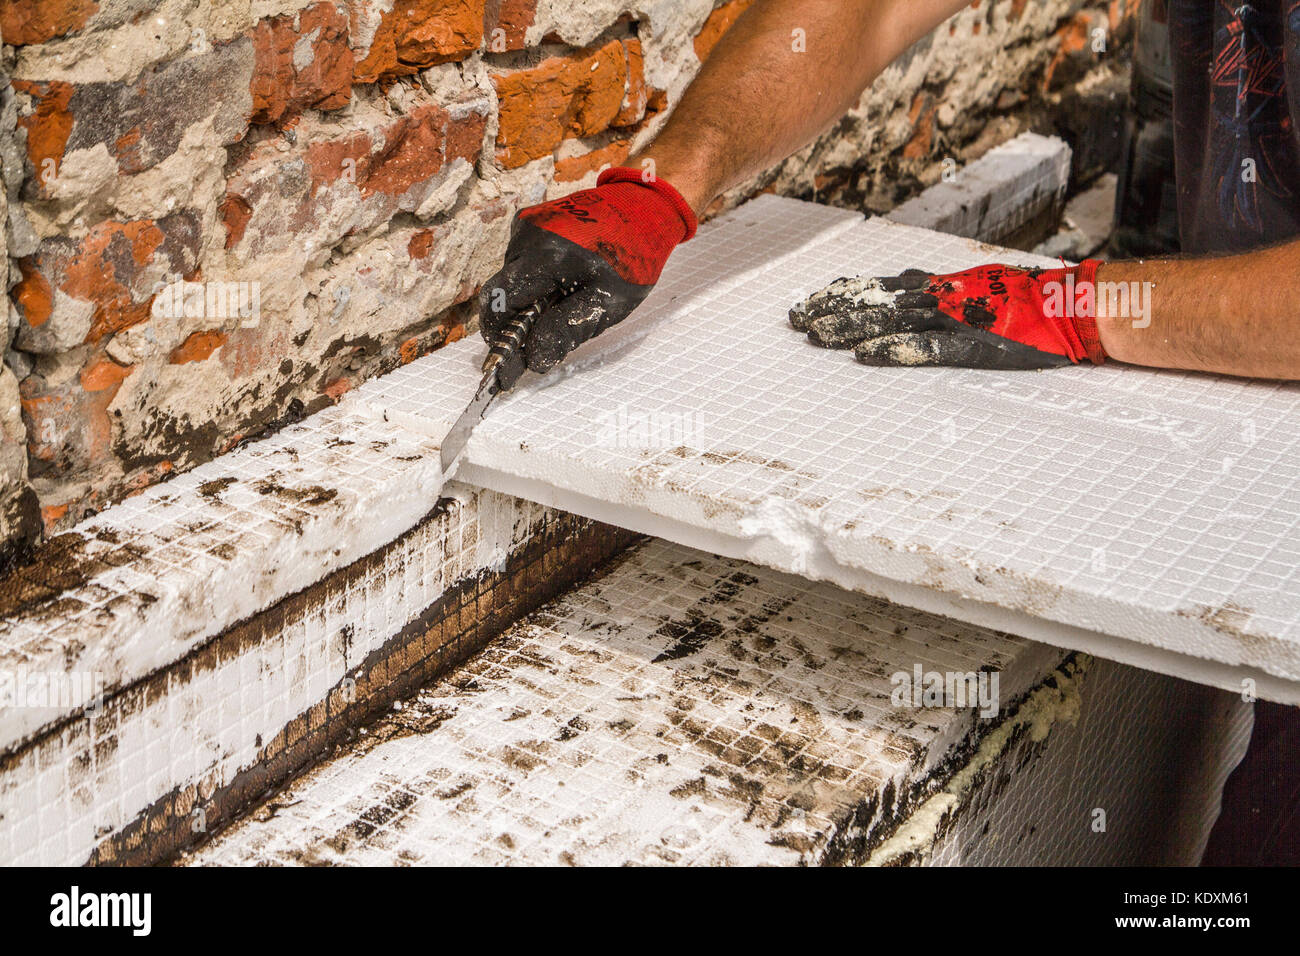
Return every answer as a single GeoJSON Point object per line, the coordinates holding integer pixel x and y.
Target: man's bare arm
{"type": "Point", "coordinates": [756, 100]}
{"type": "Point", "coordinates": [1235, 315]}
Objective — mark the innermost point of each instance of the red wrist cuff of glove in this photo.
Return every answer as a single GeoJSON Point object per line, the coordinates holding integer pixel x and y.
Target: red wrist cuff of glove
{"type": "Point", "coordinates": [626, 174]}
{"type": "Point", "coordinates": [1086, 325]}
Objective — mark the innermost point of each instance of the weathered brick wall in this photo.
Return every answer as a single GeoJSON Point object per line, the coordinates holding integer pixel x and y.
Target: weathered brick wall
{"type": "Point", "coordinates": [348, 169]}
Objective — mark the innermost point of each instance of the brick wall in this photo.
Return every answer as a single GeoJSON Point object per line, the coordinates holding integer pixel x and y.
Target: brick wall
{"type": "Point", "coordinates": [346, 171]}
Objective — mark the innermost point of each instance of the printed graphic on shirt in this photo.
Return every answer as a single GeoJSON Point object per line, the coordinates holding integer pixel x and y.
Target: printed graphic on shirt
{"type": "Point", "coordinates": [1236, 101]}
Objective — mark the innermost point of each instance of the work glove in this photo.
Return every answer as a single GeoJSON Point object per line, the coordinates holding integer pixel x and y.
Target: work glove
{"type": "Point", "coordinates": [994, 316]}
{"type": "Point", "coordinates": [587, 260]}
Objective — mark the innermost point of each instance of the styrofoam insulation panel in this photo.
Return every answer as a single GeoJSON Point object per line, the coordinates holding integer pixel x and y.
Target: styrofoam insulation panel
{"type": "Point", "coordinates": [997, 194]}
{"type": "Point", "coordinates": [66, 792]}
{"type": "Point", "coordinates": [689, 709]}
{"type": "Point", "coordinates": [184, 560]}
{"type": "Point", "coordinates": [1150, 517]}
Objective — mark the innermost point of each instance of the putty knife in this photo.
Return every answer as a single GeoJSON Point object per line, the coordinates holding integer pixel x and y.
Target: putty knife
{"type": "Point", "coordinates": [511, 341]}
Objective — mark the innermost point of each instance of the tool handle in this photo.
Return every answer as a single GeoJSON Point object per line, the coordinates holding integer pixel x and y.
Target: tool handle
{"type": "Point", "coordinates": [511, 339]}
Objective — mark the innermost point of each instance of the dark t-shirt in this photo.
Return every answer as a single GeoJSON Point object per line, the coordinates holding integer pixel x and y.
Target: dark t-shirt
{"type": "Point", "coordinates": [1236, 79]}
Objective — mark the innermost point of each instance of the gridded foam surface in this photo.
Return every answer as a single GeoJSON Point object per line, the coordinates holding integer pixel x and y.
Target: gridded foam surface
{"type": "Point", "coordinates": [1149, 516]}
{"type": "Point", "coordinates": [682, 709]}
{"type": "Point", "coordinates": [148, 579]}
{"type": "Point", "coordinates": [687, 709]}
{"type": "Point", "coordinates": [222, 711]}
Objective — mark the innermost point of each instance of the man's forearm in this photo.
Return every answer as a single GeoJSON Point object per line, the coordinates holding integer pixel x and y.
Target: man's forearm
{"type": "Point", "coordinates": [1235, 315]}
{"type": "Point", "coordinates": [761, 96]}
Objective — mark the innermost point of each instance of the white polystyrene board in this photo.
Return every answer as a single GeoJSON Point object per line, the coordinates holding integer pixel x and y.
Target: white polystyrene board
{"type": "Point", "coordinates": [169, 568]}
{"type": "Point", "coordinates": [1148, 516]}
{"type": "Point", "coordinates": [996, 193]}
{"type": "Point", "coordinates": [800, 677]}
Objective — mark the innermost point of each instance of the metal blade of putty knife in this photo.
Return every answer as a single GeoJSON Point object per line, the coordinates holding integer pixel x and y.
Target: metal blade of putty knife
{"type": "Point", "coordinates": [511, 340]}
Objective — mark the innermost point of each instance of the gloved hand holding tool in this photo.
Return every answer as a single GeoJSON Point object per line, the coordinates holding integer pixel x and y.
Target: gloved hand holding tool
{"type": "Point", "coordinates": [595, 255]}
{"type": "Point", "coordinates": [995, 316]}
{"type": "Point", "coordinates": [574, 267]}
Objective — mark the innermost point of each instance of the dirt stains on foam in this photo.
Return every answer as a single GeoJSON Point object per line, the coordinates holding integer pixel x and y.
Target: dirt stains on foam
{"type": "Point", "coordinates": [699, 625]}
{"type": "Point", "coordinates": [727, 457]}
{"type": "Point", "coordinates": [721, 702]}
{"type": "Point", "coordinates": [668, 469]}
{"type": "Point", "coordinates": [696, 787]}
{"type": "Point", "coordinates": [61, 565]}
{"type": "Point", "coordinates": [688, 636]}
{"type": "Point", "coordinates": [376, 816]}
{"type": "Point", "coordinates": [211, 490]}
{"type": "Point", "coordinates": [407, 722]}
{"type": "Point", "coordinates": [310, 496]}
{"type": "Point", "coordinates": [881, 492]}
{"type": "Point", "coordinates": [1231, 619]}
{"type": "Point", "coordinates": [735, 455]}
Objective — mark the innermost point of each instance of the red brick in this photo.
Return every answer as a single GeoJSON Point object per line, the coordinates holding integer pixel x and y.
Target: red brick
{"type": "Point", "coordinates": [381, 165]}
{"type": "Point", "coordinates": [412, 151]}
{"type": "Point", "coordinates": [633, 108]}
{"type": "Point", "coordinates": [1074, 49]}
{"type": "Point", "coordinates": [512, 18]}
{"type": "Point", "coordinates": [235, 213]}
{"type": "Point", "coordinates": [45, 414]}
{"type": "Point", "coordinates": [420, 243]}
{"type": "Point", "coordinates": [49, 125]}
{"type": "Point", "coordinates": [249, 351]}
{"type": "Point", "coordinates": [574, 95]}
{"type": "Point", "coordinates": [337, 388]}
{"type": "Point", "coordinates": [576, 167]}
{"type": "Point", "coordinates": [33, 294]}
{"type": "Point", "coordinates": [330, 160]}
{"type": "Point", "coordinates": [114, 267]}
{"type": "Point", "coordinates": [281, 88]}
{"type": "Point", "coordinates": [921, 116]}
{"type": "Point", "coordinates": [68, 424]}
{"type": "Point", "coordinates": [35, 21]}
{"type": "Point", "coordinates": [197, 347]}
{"type": "Point", "coordinates": [92, 275]}
{"type": "Point", "coordinates": [409, 351]}
{"type": "Point", "coordinates": [449, 329]}
{"type": "Point", "coordinates": [51, 515]}
{"type": "Point", "coordinates": [419, 33]}
{"type": "Point", "coordinates": [464, 137]}
{"type": "Point", "coordinates": [143, 121]}
{"type": "Point", "coordinates": [718, 23]}
{"type": "Point", "coordinates": [656, 101]}
{"type": "Point", "coordinates": [103, 374]}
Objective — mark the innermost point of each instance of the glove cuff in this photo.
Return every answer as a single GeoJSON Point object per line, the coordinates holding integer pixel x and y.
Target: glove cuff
{"type": "Point", "coordinates": [626, 174]}
{"type": "Point", "coordinates": [1086, 325]}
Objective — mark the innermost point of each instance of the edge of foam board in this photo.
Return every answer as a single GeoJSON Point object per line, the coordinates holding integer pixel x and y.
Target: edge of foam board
{"type": "Point", "coordinates": [825, 568]}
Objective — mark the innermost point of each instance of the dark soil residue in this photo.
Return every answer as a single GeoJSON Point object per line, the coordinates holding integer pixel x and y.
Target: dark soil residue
{"type": "Point", "coordinates": [311, 495]}
{"type": "Point", "coordinates": [59, 565]}
{"type": "Point", "coordinates": [212, 489]}
{"type": "Point", "coordinates": [699, 625]}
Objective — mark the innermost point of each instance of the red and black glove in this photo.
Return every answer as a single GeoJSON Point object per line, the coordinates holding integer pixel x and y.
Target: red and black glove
{"type": "Point", "coordinates": [989, 317]}
{"type": "Point", "coordinates": [588, 260]}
